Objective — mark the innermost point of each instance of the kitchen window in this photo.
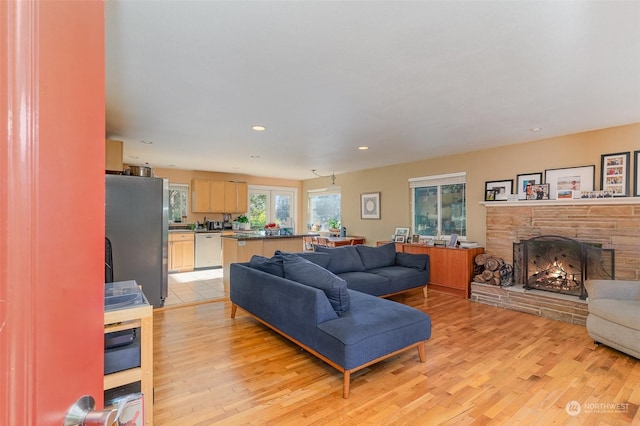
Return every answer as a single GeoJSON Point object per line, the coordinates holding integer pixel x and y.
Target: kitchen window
{"type": "Point", "coordinates": [439, 205]}
{"type": "Point", "coordinates": [178, 201]}
{"type": "Point", "coordinates": [272, 205]}
{"type": "Point", "coordinates": [324, 205]}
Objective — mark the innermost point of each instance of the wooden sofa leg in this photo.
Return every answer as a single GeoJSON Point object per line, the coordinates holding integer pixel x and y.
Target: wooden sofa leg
{"type": "Point", "coordinates": [234, 308]}
{"type": "Point", "coordinates": [424, 291]}
{"type": "Point", "coordinates": [346, 384]}
{"type": "Point", "coordinates": [421, 352]}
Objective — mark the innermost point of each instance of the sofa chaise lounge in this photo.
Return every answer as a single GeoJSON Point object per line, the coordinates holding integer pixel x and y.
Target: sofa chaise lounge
{"type": "Point", "coordinates": [313, 308]}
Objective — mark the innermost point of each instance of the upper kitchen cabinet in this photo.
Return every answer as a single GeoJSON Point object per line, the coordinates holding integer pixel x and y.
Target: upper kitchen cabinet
{"type": "Point", "coordinates": [210, 196]}
{"type": "Point", "coordinates": [113, 156]}
{"type": "Point", "coordinates": [236, 196]}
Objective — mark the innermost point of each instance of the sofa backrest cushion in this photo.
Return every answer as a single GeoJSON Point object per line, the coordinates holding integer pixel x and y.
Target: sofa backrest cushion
{"type": "Point", "coordinates": [342, 259]}
{"type": "Point", "coordinates": [377, 257]}
{"type": "Point", "coordinates": [321, 259]}
{"type": "Point", "coordinates": [272, 266]}
{"type": "Point", "coordinates": [305, 272]}
{"type": "Point", "coordinates": [410, 260]}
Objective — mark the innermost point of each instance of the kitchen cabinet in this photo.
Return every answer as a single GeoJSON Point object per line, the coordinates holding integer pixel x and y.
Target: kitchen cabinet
{"type": "Point", "coordinates": [236, 196]}
{"type": "Point", "coordinates": [141, 318]}
{"type": "Point", "coordinates": [181, 251]}
{"type": "Point", "coordinates": [210, 196]}
{"type": "Point", "coordinates": [113, 156]}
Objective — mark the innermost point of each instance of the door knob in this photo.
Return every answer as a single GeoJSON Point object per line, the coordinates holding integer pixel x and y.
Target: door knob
{"type": "Point", "coordinates": [82, 413]}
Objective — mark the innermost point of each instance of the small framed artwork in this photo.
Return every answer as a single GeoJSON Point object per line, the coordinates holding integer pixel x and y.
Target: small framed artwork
{"type": "Point", "coordinates": [614, 174]}
{"type": "Point", "coordinates": [636, 176]}
{"type": "Point", "coordinates": [525, 184]}
{"type": "Point", "coordinates": [498, 190]}
{"type": "Point", "coordinates": [563, 182]}
{"type": "Point", "coordinates": [415, 239]}
{"type": "Point", "coordinates": [454, 240]}
{"type": "Point", "coordinates": [370, 205]}
{"type": "Point", "coordinates": [399, 239]}
{"type": "Point", "coordinates": [403, 232]}
{"type": "Point", "coordinates": [538, 192]}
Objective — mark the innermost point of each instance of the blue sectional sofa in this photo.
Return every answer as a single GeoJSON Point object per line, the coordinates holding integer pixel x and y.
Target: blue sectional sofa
{"type": "Point", "coordinates": [311, 306]}
{"type": "Point", "coordinates": [378, 271]}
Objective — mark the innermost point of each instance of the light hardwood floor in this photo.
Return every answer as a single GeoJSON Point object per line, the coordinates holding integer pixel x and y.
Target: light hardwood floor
{"type": "Point", "coordinates": [485, 365]}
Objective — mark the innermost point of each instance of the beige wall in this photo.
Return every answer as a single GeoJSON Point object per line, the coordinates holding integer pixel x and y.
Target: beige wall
{"type": "Point", "coordinates": [185, 177]}
{"type": "Point", "coordinates": [486, 165]}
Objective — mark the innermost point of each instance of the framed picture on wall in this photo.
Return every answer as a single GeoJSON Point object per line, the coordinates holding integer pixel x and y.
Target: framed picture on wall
{"type": "Point", "coordinates": [565, 182]}
{"type": "Point", "coordinates": [525, 184]}
{"type": "Point", "coordinates": [370, 205]}
{"type": "Point", "coordinates": [614, 174]}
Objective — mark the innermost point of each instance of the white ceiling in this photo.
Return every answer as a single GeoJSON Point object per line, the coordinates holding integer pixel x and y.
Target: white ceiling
{"type": "Point", "coordinates": [410, 80]}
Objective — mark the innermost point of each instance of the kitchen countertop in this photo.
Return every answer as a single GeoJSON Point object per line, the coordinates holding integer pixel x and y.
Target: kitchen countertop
{"type": "Point", "coordinates": [258, 235]}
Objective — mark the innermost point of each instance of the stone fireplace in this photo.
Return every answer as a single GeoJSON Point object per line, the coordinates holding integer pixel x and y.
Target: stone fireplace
{"type": "Point", "coordinates": [607, 224]}
{"type": "Point", "coordinates": [560, 264]}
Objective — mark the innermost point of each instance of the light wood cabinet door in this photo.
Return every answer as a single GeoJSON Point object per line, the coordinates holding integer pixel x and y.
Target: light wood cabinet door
{"type": "Point", "coordinates": [242, 189]}
{"type": "Point", "coordinates": [217, 196]}
{"type": "Point", "coordinates": [200, 195]}
{"type": "Point", "coordinates": [230, 197]}
{"type": "Point", "coordinates": [113, 155]}
{"type": "Point", "coordinates": [181, 251]}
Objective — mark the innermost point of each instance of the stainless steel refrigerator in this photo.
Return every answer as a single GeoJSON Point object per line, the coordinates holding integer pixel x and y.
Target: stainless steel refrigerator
{"type": "Point", "coordinates": [137, 226]}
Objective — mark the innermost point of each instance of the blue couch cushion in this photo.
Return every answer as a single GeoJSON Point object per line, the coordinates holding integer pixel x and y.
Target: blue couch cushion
{"type": "Point", "coordinates": [342, 259]}
{"type": "Point", "coordinates": [271, 266]}
{"type": "Point", "coordinates": [366, 282]}
{"type": "Point", "coordinates": [306, 272]}
{"type": "Point", "coordinates": [415, 261]}
{"type": "Point", "coordinates": [321, 259]}
{"type": "Point", "coordinates": [377, 257]}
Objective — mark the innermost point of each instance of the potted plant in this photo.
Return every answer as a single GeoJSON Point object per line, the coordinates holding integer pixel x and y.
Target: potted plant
{"type": "Point", "coordinates": [244, 222]}
{"type": "Point", "coordinates": [334, 225]}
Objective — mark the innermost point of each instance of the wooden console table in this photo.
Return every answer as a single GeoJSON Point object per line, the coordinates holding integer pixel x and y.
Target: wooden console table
{"type": "Point", "coordinates": [451, 269]}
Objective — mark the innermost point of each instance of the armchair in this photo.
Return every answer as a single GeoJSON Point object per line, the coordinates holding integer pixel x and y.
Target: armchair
{"type": "Point", "coordinates": [614, 314]}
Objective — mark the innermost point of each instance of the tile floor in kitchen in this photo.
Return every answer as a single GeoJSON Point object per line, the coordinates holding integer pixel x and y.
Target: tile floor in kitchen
{"type": "Point", "coordinates": [195, 286]}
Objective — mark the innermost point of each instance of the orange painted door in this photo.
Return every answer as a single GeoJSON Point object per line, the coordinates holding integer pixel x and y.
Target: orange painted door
{"type": "Point", "coordinates": [52, 160]}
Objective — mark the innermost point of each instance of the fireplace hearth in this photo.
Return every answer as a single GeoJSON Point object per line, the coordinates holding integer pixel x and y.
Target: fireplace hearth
{"type": "Point", "coordinates": [561, 265]}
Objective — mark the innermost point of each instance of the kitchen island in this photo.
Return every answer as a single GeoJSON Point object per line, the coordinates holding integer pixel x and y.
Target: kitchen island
{"type": "Point", "coordinates": [239, 247]}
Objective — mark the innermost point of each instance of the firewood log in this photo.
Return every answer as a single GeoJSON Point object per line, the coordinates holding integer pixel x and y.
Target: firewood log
{"type": "Point", "coordinates": [487, 274]}
{"type": "Point", "coordinates": [481, 259]}
{"type": "Point", "coordinates": [492, 264]}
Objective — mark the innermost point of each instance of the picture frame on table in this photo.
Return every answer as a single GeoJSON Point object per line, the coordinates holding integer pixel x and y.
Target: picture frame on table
{"type": "Point", "coordinates": [404, 232]}
{"type": "Point", "coordinates": [370, 205]}
{"type": "Point", "coordinates": [453, 240]}
{"type": "Point", "coordinates": [636, 176]}
{"type": "Point", "coordinates": [525, 183]}
{"type": "Point", "coordinates": [415, 239]}
{"type": "Point", "coordinates": [399, 239]}
{"type": "Point", "coordinates": [498, 190]}
{"type": "Point", "coordinates": [566, 182]}
{"type": "Point", "coordinates": [614, 173]}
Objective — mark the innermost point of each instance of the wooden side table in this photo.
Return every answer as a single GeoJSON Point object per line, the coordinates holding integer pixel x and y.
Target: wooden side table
{"type": "Point", "coordinates": [141, 317]}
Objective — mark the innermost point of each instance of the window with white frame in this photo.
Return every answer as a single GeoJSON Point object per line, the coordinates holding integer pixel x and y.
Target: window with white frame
{"type": "Point", "coordinates": [178, 201]}
{"type": "Point", "coordinates": [439, 205]}
{"type": "Point", "coordinates": [323, 206]}
{"type": "Point", "coordinates": [272, 205]}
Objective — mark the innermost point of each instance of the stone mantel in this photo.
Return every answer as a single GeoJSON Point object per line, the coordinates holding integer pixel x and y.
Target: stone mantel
{"type": "Point", "coordinates": [571, 202]}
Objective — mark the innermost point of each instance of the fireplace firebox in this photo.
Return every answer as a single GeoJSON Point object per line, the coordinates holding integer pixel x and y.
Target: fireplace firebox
{"type": "Point", "coordinates": [560, 264]}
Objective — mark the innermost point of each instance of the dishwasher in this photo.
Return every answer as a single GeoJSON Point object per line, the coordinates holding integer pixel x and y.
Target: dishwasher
{"type": "Point", "coordinates": [208, 250]}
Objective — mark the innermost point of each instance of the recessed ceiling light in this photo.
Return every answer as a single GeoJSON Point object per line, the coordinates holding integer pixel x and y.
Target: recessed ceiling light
{"type": "Point", "coordinates": [259, 128]}
{"type": "Point", "coordinates": [146, 142]}
{"type": "Point", "coordinates": [255, 156]}
{"type": "Point", "coordinates": [363, 148]}
{"type": "Point", "coordinates": [535, 129]}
